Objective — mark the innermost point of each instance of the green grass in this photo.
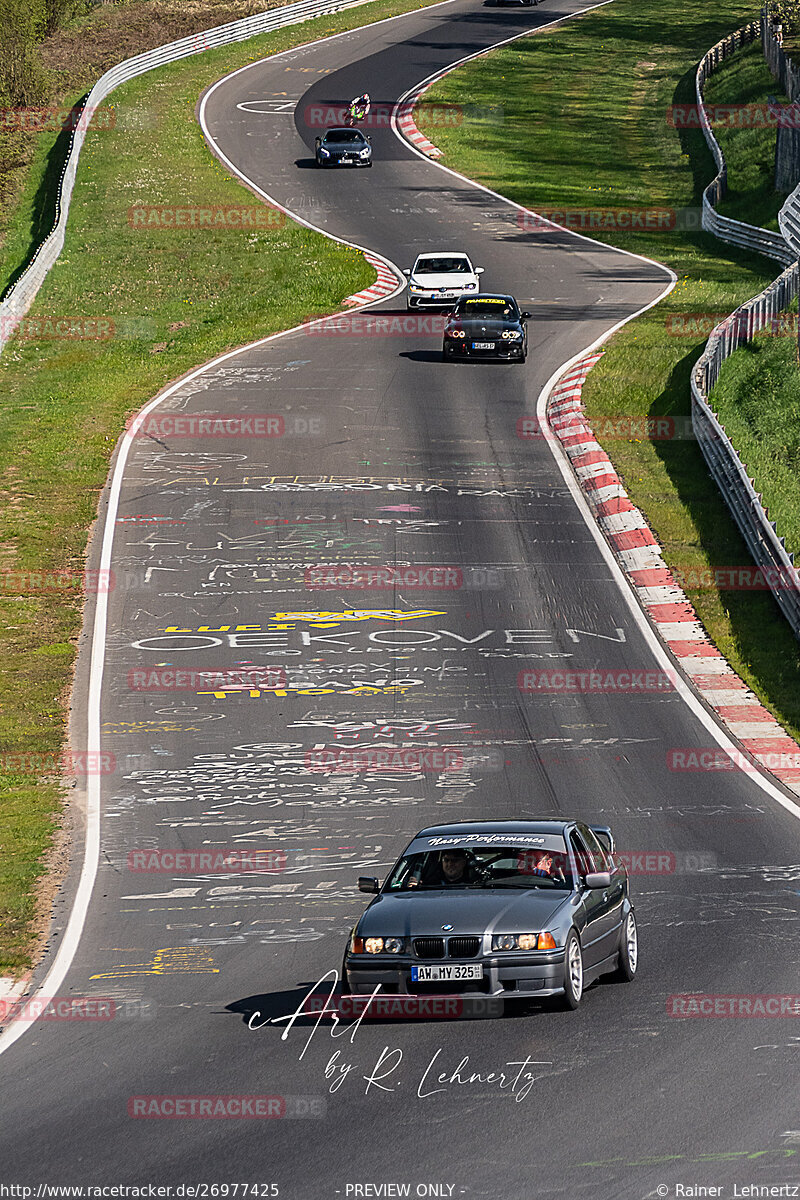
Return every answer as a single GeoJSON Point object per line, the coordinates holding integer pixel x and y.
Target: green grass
{"type": "Point", "coordinates": [757, 399]}
{"type": "Point", "coordinates": [567, 142]}
{"type": "Point", "coordinates": [749, 152]}
{"type": "Point", "coordinates": [176, 300]}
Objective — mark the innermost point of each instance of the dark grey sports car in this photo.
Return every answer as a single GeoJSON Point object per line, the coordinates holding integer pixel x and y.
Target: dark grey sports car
{"type": "Point", "coordinates": [343, 148]}
{"type": "Point", "coordinates": [499, 908]}
{"type": "Point", "coordinates": [485, 326]}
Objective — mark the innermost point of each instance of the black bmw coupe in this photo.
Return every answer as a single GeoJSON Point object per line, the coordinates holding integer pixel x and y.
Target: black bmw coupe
{"type": "Point", "coordinates": [486, 326]}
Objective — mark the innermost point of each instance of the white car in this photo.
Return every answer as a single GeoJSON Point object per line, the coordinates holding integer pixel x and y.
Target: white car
{"type": "Point", "coordinates": [437, 280]}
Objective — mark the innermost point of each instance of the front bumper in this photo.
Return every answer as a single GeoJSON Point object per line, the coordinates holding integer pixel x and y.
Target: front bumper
{"type": "Point", "coordinates": [524, 975]}
{"type": "Point", "coordinates": [340, 160]}
{"type": "Point", "coordinates": [433, 299]}
{"type": "Point", "coordinates": [458, 348]}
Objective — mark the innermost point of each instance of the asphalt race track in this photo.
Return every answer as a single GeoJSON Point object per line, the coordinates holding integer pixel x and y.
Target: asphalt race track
{"type": "Point", "coordinates": [390, 456]}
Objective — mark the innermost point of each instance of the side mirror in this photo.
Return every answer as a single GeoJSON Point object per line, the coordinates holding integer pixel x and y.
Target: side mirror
{"type": "Point", "coordinates": [317, 141]}
{"type": "Point", "coordinates": [525, 316]}
{"type": "Point", "coordinates": [479, 270]}
{"type": "Point", "coordinates": [594, 880]}
{"type": "Point", "coordinates": [406, 270]}
{"type": "Point", "coordinates": [366, 883]}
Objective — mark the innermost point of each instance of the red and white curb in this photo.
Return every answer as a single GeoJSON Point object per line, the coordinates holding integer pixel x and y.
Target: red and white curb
{"type": "Point", "coordinates": [405, 123]}
{"type": "Point", "coordinates": [10, 990]}
{"type": "Point", "coordinates": [386, 283]}
{"type": "Point", "coordinates": [669, 610]}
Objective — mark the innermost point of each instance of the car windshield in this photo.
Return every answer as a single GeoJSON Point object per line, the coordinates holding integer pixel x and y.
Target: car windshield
{"type": "Point", "coordinates": [498, 867]}
{"type": "Point", "coordinates": [442, 266]}
{"type": "Point", "coordinates": [335, 136]}
{"type": "Point", "coordinates": [484, 306]}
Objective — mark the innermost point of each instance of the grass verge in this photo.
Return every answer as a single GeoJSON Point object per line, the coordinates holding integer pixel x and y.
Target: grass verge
{"type": "Point", "coordinates": [757, 399]}
{"type": "Point", "coordinates": [175, 299]}
{"type": "Point", "coordinates": [65, 67]}
{"type": "Point", "coordinates": [570, 144]}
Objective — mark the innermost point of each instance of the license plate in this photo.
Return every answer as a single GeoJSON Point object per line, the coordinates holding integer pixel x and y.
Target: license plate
{"type": "Point", "coordinates": [483, 345]}
{"type": "Point", "coordinates": [347, 162]}
{"type": "Point", "coordinates": [444, 974]}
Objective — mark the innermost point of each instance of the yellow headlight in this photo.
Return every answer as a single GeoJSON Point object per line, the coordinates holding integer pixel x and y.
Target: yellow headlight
{"type": "Point", "coordinates": [373, 945]}
{"type": "Point", "coordinates": [527, 941]}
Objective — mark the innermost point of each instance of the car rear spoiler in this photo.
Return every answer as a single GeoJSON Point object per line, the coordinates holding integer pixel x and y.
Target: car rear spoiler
{"type": "Point", "coordinates": [604, 836]}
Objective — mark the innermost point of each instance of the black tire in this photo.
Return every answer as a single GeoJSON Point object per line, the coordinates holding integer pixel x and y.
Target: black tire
{"type": "Point", "coordinates": [445, 356]}
{"type": "Point", "coordinates": [573, 972]}
{"type": "Point", "coordinates": [344, 986]}
{"type": "Point", "coordinates": [628, 951]}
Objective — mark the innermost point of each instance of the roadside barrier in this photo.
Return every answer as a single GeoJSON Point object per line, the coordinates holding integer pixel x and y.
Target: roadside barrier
{"type": "Point", "coordinates": [736, 233]}
{"type": "Point", "coordinates": [19, 298]}
{"type": "Point", "coordinates": [727, 469]}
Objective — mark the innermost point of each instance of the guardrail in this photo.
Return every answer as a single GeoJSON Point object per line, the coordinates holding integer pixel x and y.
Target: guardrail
{"type": "Point", "coordinates": [19, 298]}
{"type": "Point", "coordinates": [727, 469]}
{"type": "Point", "coordinates": [736, 233]}
{"type": "Point", "coordinates": [789, 221]}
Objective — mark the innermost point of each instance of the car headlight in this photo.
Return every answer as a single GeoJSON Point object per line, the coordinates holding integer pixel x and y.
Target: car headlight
{"type": "Point", "coordinates": [469, 286]}
{"type": "Point", "coordinates": [457, 333]}
{"type": "Point", "coordinates": [325, 153]}
{"type": "Point", "coordinates": [414, 287]}
{"type": "Point", "coordinates": [511, 334]}
{"type": "Point", "coordinates": [377, 945]}
{"type": "Point", "coordinates": [523, 941]}
{"type": "Point", "coordinates": [365, 153]}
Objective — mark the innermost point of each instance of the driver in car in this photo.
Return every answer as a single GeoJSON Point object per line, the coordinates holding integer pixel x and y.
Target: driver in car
{"type": "Point", "coordinates": [541, 863]}
{"type": "Point", "coordinates": [451, 870]}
